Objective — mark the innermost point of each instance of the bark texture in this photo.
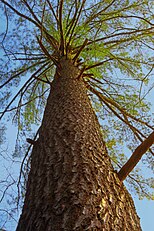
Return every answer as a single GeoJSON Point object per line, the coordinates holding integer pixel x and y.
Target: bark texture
{"type": "Point", "coordinates": [71, 184]}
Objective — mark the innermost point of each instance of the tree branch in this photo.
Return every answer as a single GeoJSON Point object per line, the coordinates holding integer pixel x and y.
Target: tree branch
{"type": "Point", "coordinates": [99, 13]}
{"type": "Point", "coordinates": [21, 72]}
{"type": "Point", "coordinates": [32, 13]}
{"type": "Point", "coordinates": [122, 34]}
{"type": "Point", "coordinates": [29, 81]}
{"type": "Point", "coordinates": [136, 156]}
{"type": "Point", "coordinates": [98, 64]}
{"type": "Point", "coordinates": [80, 49]}
{"type": "Point", "coordinates": [36, 22]}
{"type": "Point", "coordinates": [75, 21]}
{"type": "Point", "coordinates": [61, 27]}
{"type": "Point", "coordinates": [53, 11]}
{"type": "Point", "coordinates": [20, 14]}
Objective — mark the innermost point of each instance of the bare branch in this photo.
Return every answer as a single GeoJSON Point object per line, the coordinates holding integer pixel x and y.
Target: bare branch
{"type": "Point", "coordinates": [61, 27]}
{"type": "Point", "coordinates": [136, 156]}
{"type": "Point", "coordinates": [42, 19]}
{"type": "Point", "coordinates": [22, 164]}
{"type": "Point", "coordinates": [4, 192]}
{"type": "Point", "coordinates": [7, 25]}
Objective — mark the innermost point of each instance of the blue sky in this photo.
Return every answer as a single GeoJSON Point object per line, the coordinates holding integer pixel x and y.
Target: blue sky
{"type": "Point", "coordinates": [145, 208]}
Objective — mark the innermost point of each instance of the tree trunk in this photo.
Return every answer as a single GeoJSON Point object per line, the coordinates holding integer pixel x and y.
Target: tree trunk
{"type": "Point", "coordinates": [71, 184]}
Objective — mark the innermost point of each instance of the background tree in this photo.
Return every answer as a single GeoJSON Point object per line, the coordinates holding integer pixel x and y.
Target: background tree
{"type": "Point", "coordinates": [110, 43]}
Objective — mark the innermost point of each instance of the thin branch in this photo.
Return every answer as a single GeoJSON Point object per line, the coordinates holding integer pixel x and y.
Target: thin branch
{"type": "Point", "coordinates": [132, 60]}
{"type": "Point", "coordinates": [120, 34]}
{"type": "Point", "coordinates": [98, 64]}
{"type": "Point", "coordinates": [61, 26]}
{"type": "Point", "coordinates": [73, 19]}
{"type": "Point", "coordinates": [122, 63]}
{"type": "Point", "coordinates": [116, 11]}
{"type": "Point", "coordinates": [17, 114]}
{"type": "Point", "coordinates": [53, 11]}
{"type": "Point", "coordinates": [7, 187]}
{"type": "Point", "coordinates": [32, 90]}
{"type": "Point", "coordinates": [75, 22]}
{"type": "Point", "coordinates": [47, 53]}
{"type": "Point", "coordinates": [51, 40]}
{"type": "Point", "coordinates": [21, 89]}
{"type": "Point", "coordinates": [7, 25]}
{"type": "Point", "coordinates": [72, 7]}
{"type": "Point", "coordinates": [28, 54]}
{"type": "Point", "coordinates": [21, 167]}
{"type": "Point", "coordinates": [139, 183]}
{"type": "Point", "coordinates": [143, 81]}
{"type": "Point", "coordinates": [57, 7]}
{"type": "Point", "coordinates": [147, 45]}
{"type": "Point", "coordinates": [98, 13]}
{"type": "Point", "coordinates": [125, 16]}
{"type": "Point", "coordinates": [110, 4]}
{"type": "Point", "coordinates": [37, 23]}
{"type": "Point", "coordinates": [136, 156]}
{"type": "Point", "coordinates": [80, 49]}
{"type": "Point", "coordinates": [44, 72]}
{"type": "Point", "coordinates": [20, 14]}
{"type": "Point", "coordinates": [27, 84]}
{"type": "Point", "coordinates": [32, 13]}
{"type": "Point", "coordinates": [21, 72]}
{"type": "Point", "coordinates": [124, 120]}
{"type": "Point", "coordinates": [22, 105]}
{"type": "Point", "coordinates": [105, 82]}
{"type": "Point", "coordinates": [41, 80]}
{"type": "Point", "coordinates": [6, 211]}
{"type": "Point", "coordinates": [121, 109]}
{"type": "Point", "coordinates": [108, 101]}
{"type": "Point", "coordinates": [42, 19]}
{"type": "Point", "coordinates": [27, 59]}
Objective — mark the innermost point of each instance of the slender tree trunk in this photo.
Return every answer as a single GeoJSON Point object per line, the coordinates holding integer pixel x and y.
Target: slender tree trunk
{"type": "Point", "coordinates": [71, 184]}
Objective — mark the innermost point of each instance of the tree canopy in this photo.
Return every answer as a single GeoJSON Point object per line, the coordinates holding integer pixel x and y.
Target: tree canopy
{"type": "Point", "coordinates": [111, 41]}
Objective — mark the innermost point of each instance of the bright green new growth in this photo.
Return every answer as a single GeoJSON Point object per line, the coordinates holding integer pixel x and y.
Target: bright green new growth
{"type": "Point", "coordinates": [113, 39]}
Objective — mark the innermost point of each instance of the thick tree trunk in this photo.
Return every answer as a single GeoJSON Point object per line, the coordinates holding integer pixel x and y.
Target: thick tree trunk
{"type": "Point", "coordinates": [71, 184]}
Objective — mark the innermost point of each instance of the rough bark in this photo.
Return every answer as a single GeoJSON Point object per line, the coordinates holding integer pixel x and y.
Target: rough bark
{"type": "Point", "coordinates": [71, 184]}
